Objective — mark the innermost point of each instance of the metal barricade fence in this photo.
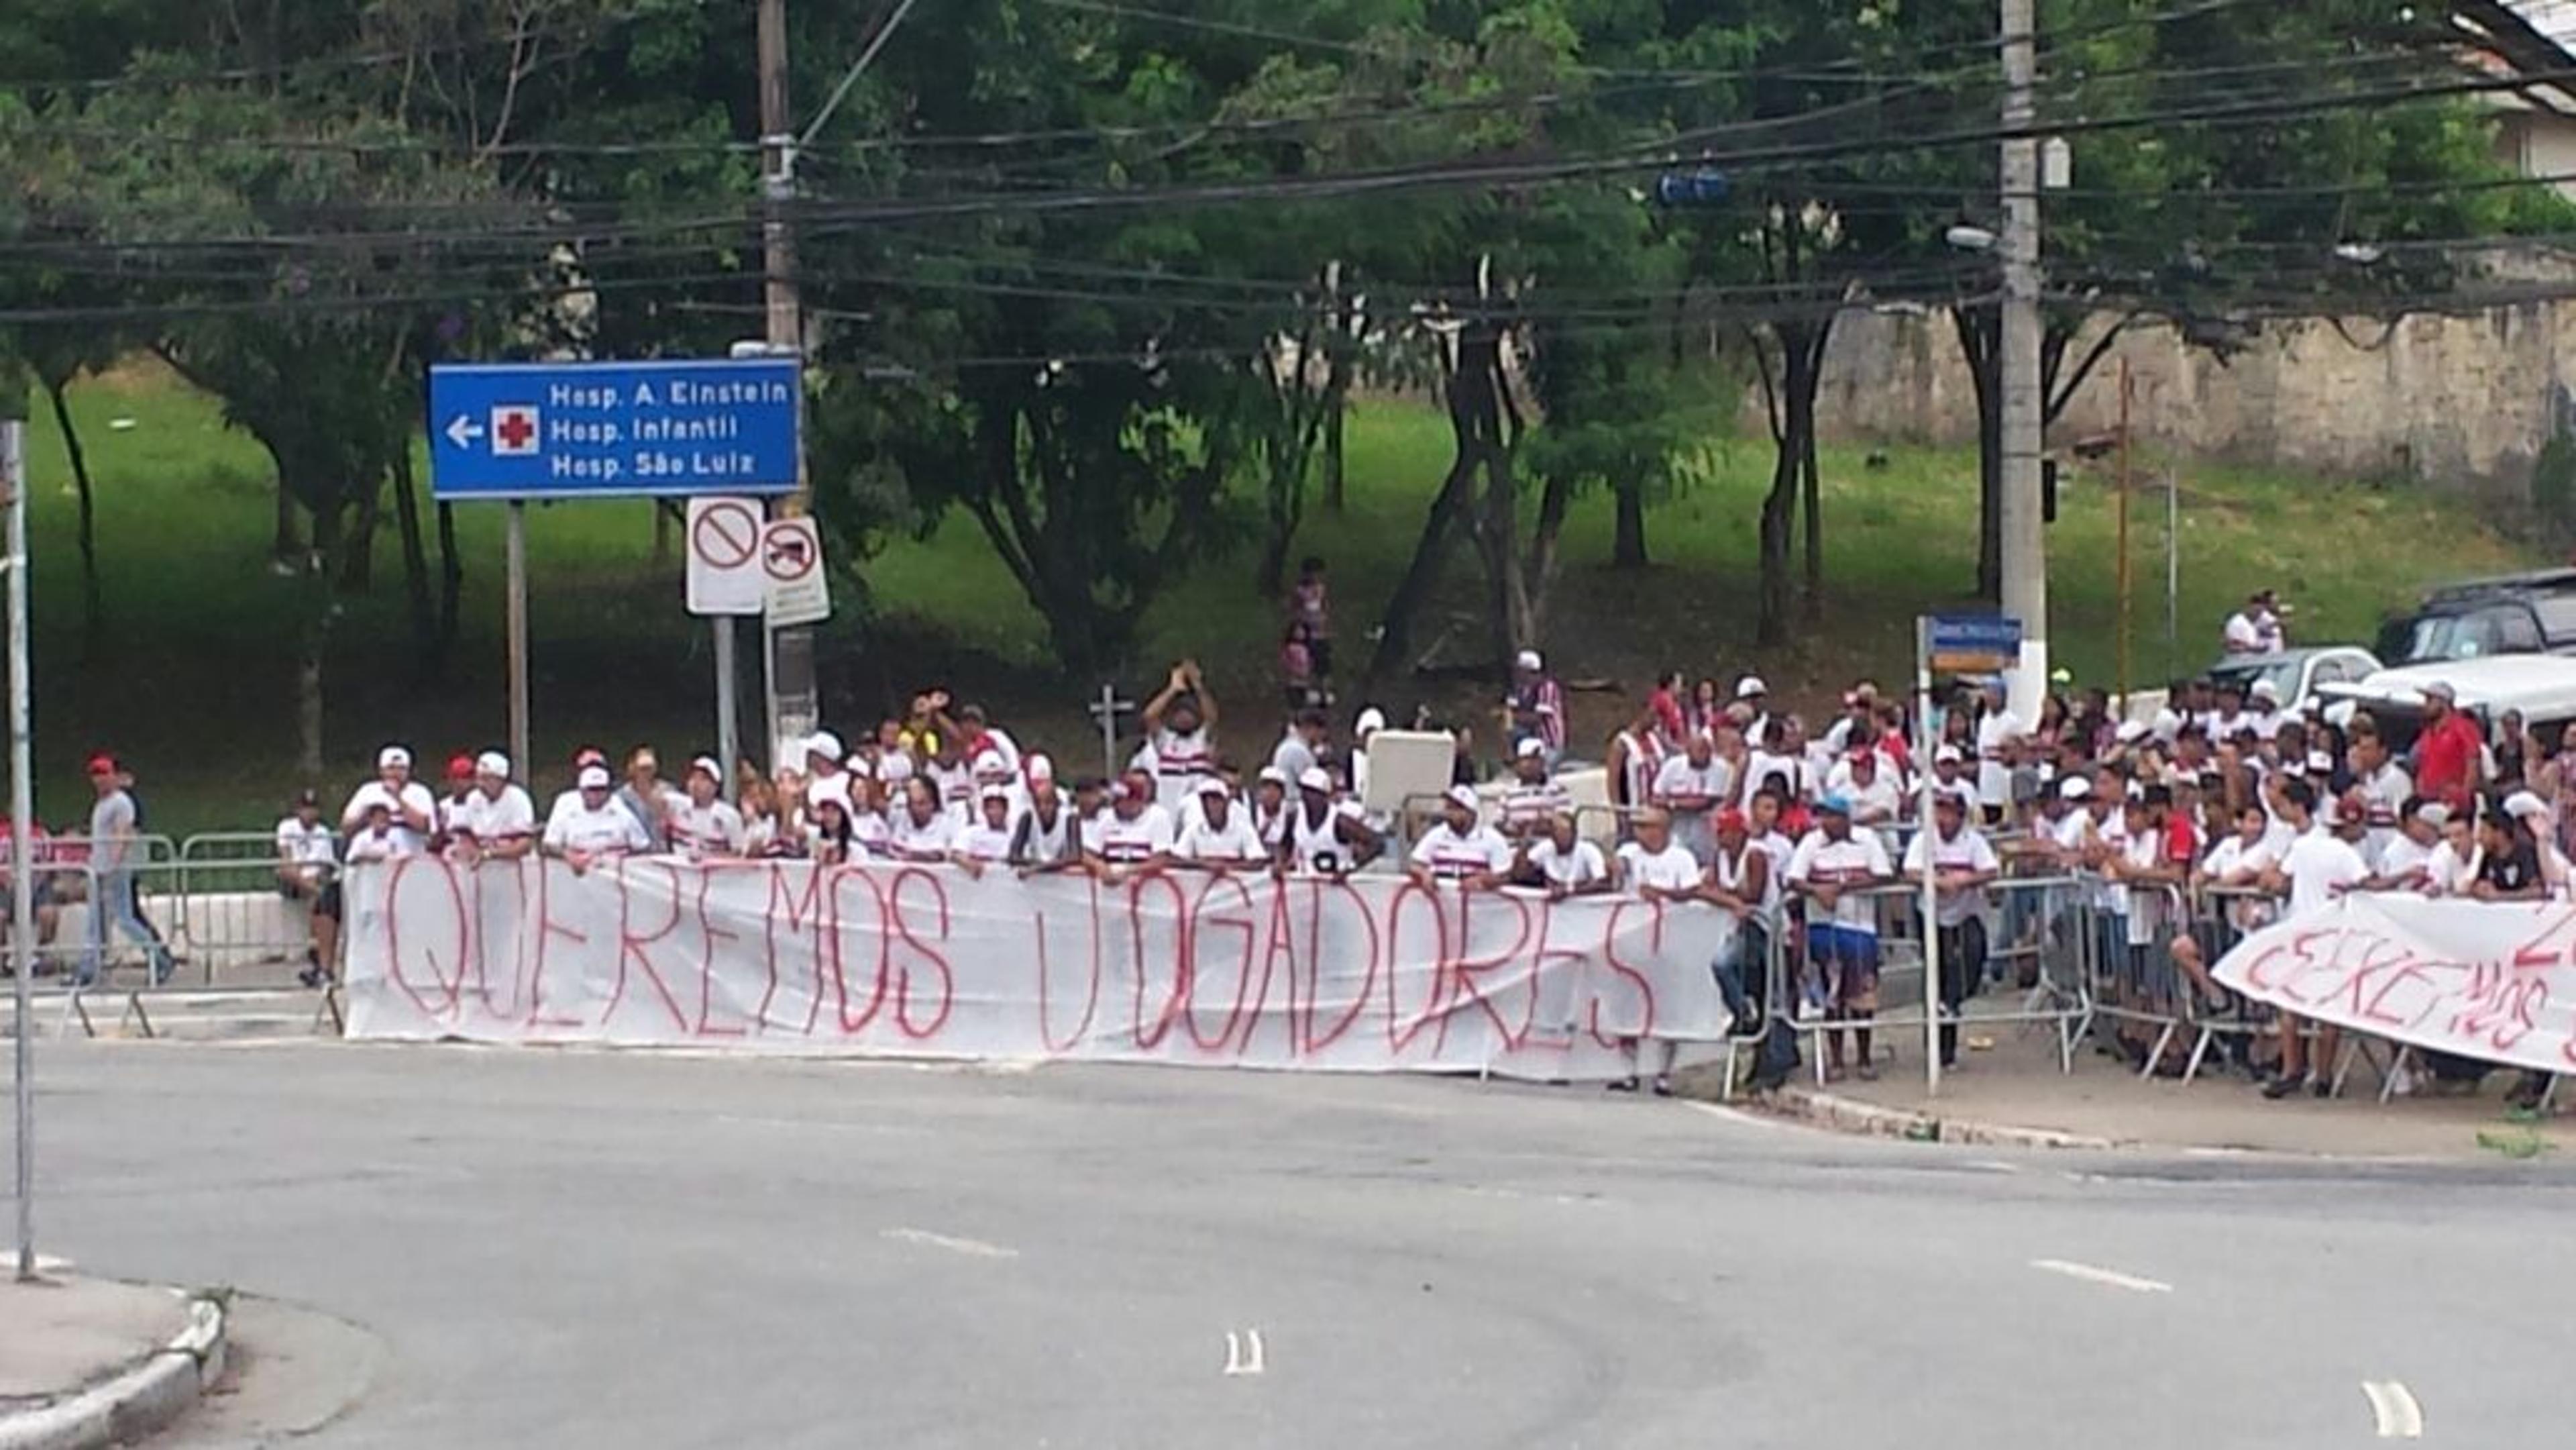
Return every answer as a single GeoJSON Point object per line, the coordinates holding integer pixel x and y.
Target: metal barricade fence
{"type": "Point", "coordinates": [231, 910]}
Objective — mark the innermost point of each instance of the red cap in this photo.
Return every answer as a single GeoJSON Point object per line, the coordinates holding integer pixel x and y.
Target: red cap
{"type": "Point", "coordinates": [460, 767]}
{"type": "Point", "coordinates": [1864, 754]}
{"type": "Point", "coordinates": [589, 755]}
{"type": "Point", "coordinates": [103, 764]}
{"type": "Point", "coordinates": [1732, 819]}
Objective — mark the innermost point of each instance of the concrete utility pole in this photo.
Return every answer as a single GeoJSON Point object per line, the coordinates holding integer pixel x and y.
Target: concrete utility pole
{"type": "Point", "coordinates": [794, 710]}
{"type": "Point", "coordinates": [22, 795]}
{"type": "Point", "coordinates": [2025, 542]}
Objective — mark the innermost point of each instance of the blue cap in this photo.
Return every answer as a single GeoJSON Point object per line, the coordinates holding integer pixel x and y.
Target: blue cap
{"type": "Point", "coordinates": [1835, 805]}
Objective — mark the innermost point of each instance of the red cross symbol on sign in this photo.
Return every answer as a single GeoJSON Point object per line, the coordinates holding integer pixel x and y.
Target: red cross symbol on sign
{"type": "Point", "coordinates": [514, 431]}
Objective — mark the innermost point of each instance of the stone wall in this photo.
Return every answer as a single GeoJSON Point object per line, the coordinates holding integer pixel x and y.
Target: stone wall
{"type": "Point", "coordinates": [2463, 402]}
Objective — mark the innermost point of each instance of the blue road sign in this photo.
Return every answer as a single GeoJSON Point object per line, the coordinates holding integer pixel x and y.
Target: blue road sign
{"type": "Point", "coordinates": [1972, 644]}
{"type": "Point", "coordinates": [612, 429]}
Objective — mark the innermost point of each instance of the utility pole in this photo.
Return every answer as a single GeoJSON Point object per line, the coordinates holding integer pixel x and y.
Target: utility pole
{"type": "Point", "coordinates": [794, 710]}
{"type": "Point", "coordinates": [2025, 543]}
{"type": "Point", "coordinates": [22, 872]}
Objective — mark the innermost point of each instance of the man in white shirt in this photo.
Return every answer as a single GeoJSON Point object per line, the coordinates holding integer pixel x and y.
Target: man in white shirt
{"type": "Point", "coordinates": [1655, 866]}
{"type": "Point", "coordinates": [1873, 793]}
{"type": "Point", "coordinates": [1535, 795]}
{"type": "Point", "coordinates": [1998, 729]}
{"type": "Point", "coordinates": [1963, 864]}
{"type": "Point", "coordinates": [1832, 868]}
{"type": "Point", "coordinates": [2320, 867]}
{"type": "Point", "coordinates": [1048, 836]}
{"type": "Point", "coordinates": [495, 820]}
{"type": "Point", "coordinates": [589, 826]}
{"type": "Point", "coordinates": [1136, 834]}
{"type": "Point", "coordinates": [1949, 777]}
{"type": "Point", "coordinates": [2263, 709]}
{"type": "Point", "coordinates": [1460, 848]}
{"type": "Point", "coordinates": [2385, 788]}
{"type": "Point", "coordinates": [1561, 861]}
{"type": "Point", "coordinates": [1219, 834]}
{"type": "Point", "coordinates": [1180, 725]}
{"type": "Point", "coordinates": [987, 841]}
{"type": "Point", "coordinates": [308, 871]}
{"type": "Point", "coordinates": [1691, 788]}
{"type": "Point", "coordinates": [2406, 862]}
{"type": "Point", "coordinates": [1302, 746]}
{"type": "Point", "coordinates": [704, 825]}
{"type": "Point", "coordinates": [2245, 632]}
{"type": "Point", "coordinates": [411, 810]}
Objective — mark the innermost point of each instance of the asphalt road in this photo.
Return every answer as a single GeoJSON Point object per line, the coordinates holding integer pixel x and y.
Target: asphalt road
{"type": "Point", "coordinates": [576, 1249]}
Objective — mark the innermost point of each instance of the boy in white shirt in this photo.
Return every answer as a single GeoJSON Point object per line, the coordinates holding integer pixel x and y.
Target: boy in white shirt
{"type": "Point", "coordinates": [986, 842]}
{"type": "Point", "coordinates": [1832, 867]}
{"type": "Point", "coordinates": [1963, 864]}
{"type": "Point", "coordinates": [1220, 833]}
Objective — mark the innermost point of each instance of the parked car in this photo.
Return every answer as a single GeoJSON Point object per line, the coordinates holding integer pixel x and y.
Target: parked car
{"type": "Point", "coordinates": [2296, 673]}
{"type": "Point", "coordinates": [2541, 687]}
{"type": "Point", "coordinates": [2512, 614]}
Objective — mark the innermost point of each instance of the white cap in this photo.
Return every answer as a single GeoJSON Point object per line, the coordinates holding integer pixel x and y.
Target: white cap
{"type": "Point", "coordinates": [894, 767]}
{"type": "Point", "coordinates": [1370, 719]}
{"type": "Point", "coordinates": [1000, 793]}
{"type": "Point", "coordinates": [2320, 763]}
{"type": "Point", "coordinates": [2522, 804]}
{"type": "Point", "coordinates": [1038, 768]}
{"type": "Point", "coordinates": [1315, 777]}
{"type": "Point", "coordinates": [825, 744]}
{"type": "Point", "coordinates": [1750, 686]}
{"type": "Point", "coordinates": [1463, 795]}
{"type": "Point", "coordinates": [1528, 660]}
{"type": "Point", "coordinates": [492, 762]}
{"type": "Point", "coordinates": [594, 777]}
{"type": "Point", "coordinates": [2076, 788]}
{"type": "Point", "coordinates": [1273, 775]}
{"type": "Point", "coordinates": [2264, 689]}
{"type": "Point", "coordinates": [707, 763]}
{"type": "Point", "coordinates": [1530, 746]}
{"type": "Point", "coordinates": [2433, 813]}
{"type": "Point", "coordinates": [990, 762]}
{"type": "Point", "coordinates": [391, 756]}
{"type": "Point", "coordinates": [1948, 755]}
{"type": "Point", "coordinates": [1213, 785]}
{"type": "Point", "coordinates": [2441, 690]}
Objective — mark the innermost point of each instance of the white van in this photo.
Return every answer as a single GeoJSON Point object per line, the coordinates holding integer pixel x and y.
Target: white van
{"type": "Point", "coordinates": [2541, 687]}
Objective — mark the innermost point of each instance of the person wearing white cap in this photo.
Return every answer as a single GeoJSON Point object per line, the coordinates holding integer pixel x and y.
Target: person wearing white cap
{"type": "Point", "coordinates": [412, 810]}
{"type": "Point", "coordinates": [1135, 835]}
{"type": "Point", "coordinates": [986, 842]}
{"type": "Point", "coordinates": [1220, 833]}
{"type": "Point", "coordinates": [827, 775]}
{"type": "Point", "coordinates": [1949, 777]}
{"type": "Point", "coordinates": [496, 819]}
{"type": "Point", "coordinates": [1047, 837]}
{"type": "Point", "coordinates": [1180, 731]}
{"type": "Point", "coordinates": [704, 825]}
{"type": "Point", "coordinates": [1370, 721]}
{"type": "Point", "coordinates": [2263, 708]}
{"type": "Point", "coordinates": [1535, 708]}
{"type": "Point", "coordinates": [1324, 836]}
{"type": "Point", "coordinates": [1535, 794]}
{"type": "Point", "coordinates": [2406, 864]}
{"type": "Point", "coordinates": [2318, 869]}
{"type": "Point", "coordinates": [1691, 788]}
{"type": "Point", "coordinates": [587, 824]}
{"type": "Point", "coordinates": [1460, 847]}
{"type": "Point", "coordinates": [1269, 805]}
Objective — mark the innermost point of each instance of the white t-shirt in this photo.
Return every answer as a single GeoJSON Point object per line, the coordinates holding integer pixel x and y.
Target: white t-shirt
{"type": "Point", "coordinates": [1762, 765]}
{"type": "Point", "coordinates": [913, 840]}
{"type": "Point", "coordinates": [303, 845]}
{"type": "Point", "coordinates": [2402, 857]}
{"type": "Point", "coordinates": [1180, 763]}
{"type": "Point", "coordinates": [2453, 873]}
{"type": "Point", "coordinates": [1572, 869]}
{"type": "Point", "coordinates": [2242, 636]}
{"type": "Point", "coordinates": [1292, 755]}
{"type": "Point", "coordinates": [1682, 786]}
{"type": "Point", "coordinates": [377, 846]}
{"type": "Point", "coordinates": [1967, 851]}
{"type": "Point", "coordinates": [1453, 855]}
{"type": "Point", "coordinates": [870, 837]}
{"type": "Point", "coordinates": [1857, 861]}
{"type": "Point", "coordinates": [1994, 778]}
{"type": "Point", "coordinates": [1237, 841]}
{"type": "Point", "coordinates": [574, 826]}
{"type": "Point", "coordinates": [1670, 869]}
{"type": "Point", "coordinates": [1150, 834]}
{"type": "Point", "coordinates": [509, 817]}
{"type": "Point", "coordinates": [414, 796]}
{"type": "Point", "coordinates": [1528, 808]}
{"type": "Point", "coordinates": [833, 787]}
{"type": "Point", "coordinates": [985, 843]}
{"type": "Point", "coordinates": [2320, 866]}
{"type": "Point", "coordinates": [714, 829]}
{"type": "Point", "coordinates": [2386, 792]}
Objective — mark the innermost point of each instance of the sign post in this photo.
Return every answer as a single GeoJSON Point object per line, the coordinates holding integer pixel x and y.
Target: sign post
{"type": "Point", "coordinates": [513, 432]}
{"type": "Point", "coordinates": [1955, 645]}
{"type": "Point", "coordinates": [22, 797]}
{"type": "Point", "coordinates": [725, 580]}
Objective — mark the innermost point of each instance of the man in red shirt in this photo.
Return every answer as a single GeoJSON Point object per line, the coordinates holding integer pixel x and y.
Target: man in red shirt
{"type": "Point", "coordinates": [2448, 754]}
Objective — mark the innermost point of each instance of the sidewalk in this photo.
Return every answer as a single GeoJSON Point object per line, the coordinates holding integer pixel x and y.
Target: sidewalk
{"type": "Point", "coordinates": [2012, 1094]}
{"type": "Point", "coordinates": [87, 1362]}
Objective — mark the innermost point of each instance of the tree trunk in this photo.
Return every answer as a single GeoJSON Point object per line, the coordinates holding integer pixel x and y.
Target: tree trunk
{"type": "Point", "coordinates": [315, 611]}
{"type": "Point", "coordinates": [1978, 344]}
{"type": "Point", "coordinates": [1430, 550]}
{"type": "Point", "coordinates": [286, 547]}
{"type": "Point", "coordinates": [358, 546]}
{"type": "Point", "coordinates": [1801, 346]}
{"type": "Point", "coordinates": [1337, 402]}
{"type": "Point", "coordinates": [451, 591]}
{"type": "Point", "coordinates": [92, 616]}
{"type": "Point", "coordinates": [661, 536]}
{"type": "Point", "coordinates": [415, 551]}
{"type": "Point", "coordinates": [1628, 538]}
{"type": "Point", "coordinates": [1814, 487]}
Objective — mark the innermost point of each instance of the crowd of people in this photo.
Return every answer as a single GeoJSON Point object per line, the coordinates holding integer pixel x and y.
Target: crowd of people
{"type": "Point", "coordinates": [1796, 831]}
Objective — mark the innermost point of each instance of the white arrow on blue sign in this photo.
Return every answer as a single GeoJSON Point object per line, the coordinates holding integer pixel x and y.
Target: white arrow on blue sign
{"type": "Point", "coordinates": [613, 429]}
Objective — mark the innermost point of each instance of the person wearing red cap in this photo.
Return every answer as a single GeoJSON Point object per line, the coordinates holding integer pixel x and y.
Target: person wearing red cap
{"type": "Point", "coordinates": [459, 788]}
{"type": "Point", "coordinates": [113, 824]}
{"type": "Point", "coordinates": [1136, 834]}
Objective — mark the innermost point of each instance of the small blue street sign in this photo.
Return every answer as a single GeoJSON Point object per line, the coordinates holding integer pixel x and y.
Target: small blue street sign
{"type": "Point", "coordinates": [1972, 643]}
{"type": "Point", "coordinates": [612, 429]}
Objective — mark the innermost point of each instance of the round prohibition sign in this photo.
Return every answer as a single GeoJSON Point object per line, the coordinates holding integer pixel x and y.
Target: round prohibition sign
{"type": "Point", "coordinates": [789, 556]}
{"type": "Point", "coordinates": [726, 536]}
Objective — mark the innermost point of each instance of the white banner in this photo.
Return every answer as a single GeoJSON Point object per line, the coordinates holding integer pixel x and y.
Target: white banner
{"type": "Point", "coordinates": [2488, 980]}
{"type": "Point", "coordinates": [1374, 974]}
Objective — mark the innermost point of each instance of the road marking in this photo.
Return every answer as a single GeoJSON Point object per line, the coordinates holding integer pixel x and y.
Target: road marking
{"type": "Point", "coordinates": [2393, 1406]}
{"type": "Point", "coordinates": [971, 1248]}
{"type": "Point", "coordinates": [1244, 1353]}
{"type": "Point", "coordinates": [1737, 1116]}
{"type": "Point", "coordinates": [2112, 1277]}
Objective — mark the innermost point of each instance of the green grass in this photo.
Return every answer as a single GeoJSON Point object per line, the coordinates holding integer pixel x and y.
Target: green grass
{"type": "Point", "coordinates": [193, 674]}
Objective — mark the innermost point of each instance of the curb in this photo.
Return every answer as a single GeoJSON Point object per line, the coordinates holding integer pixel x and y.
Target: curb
{"type": "Point", "coordinates": [135, 1403]}
{"type": "Point", "coordinates": [1850, 1115]}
